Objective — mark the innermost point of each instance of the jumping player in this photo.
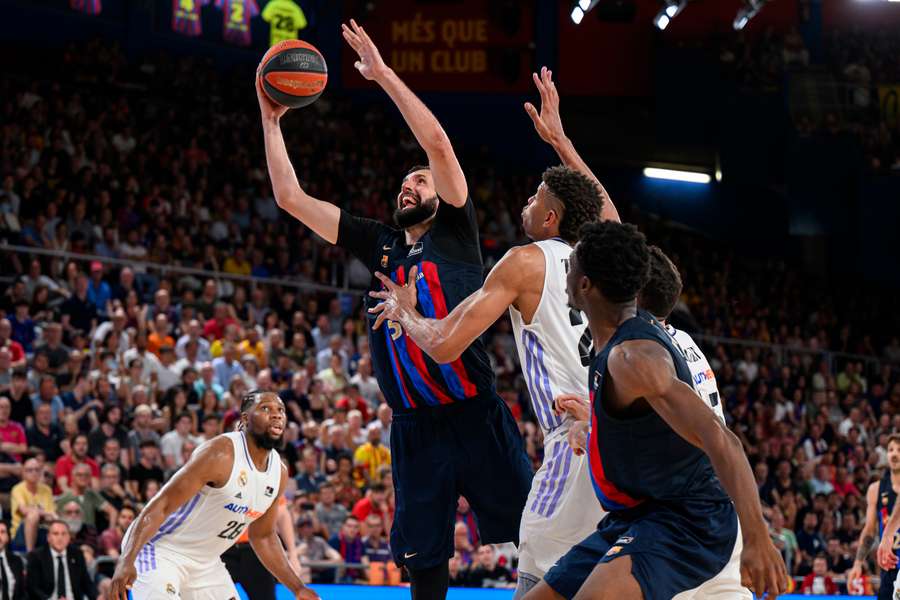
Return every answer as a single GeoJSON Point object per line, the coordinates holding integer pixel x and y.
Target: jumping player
{"type": "Point", "coordinates": [881, 501]}
{"type": "Point", "coordinates": [659, 298]}
{"type": "Point", "coordinates": [451, 434]}
{"type": "Point", "coordinates": [659, 458]}
{"type": "Point", "coordinates": [172, 548]}
{"type": "Point", "coordinates": [553, 341]}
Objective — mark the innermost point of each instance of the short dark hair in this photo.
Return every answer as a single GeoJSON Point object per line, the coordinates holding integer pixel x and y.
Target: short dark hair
{"type": "Point", "coordinates": [184, 414]}
{"type": "Point", "coordinates": [148, 444]}
{"type": "Point", "coordinates": [615, 258]}
{"type": "Point", "coordinates": [579, 195]}
{"type": "Point", "coordinates": [249, 399]}
{"type": "Point", "coordinates": [378, 487]}
{"type": "Point", "coordinates": [415, 168]}
{"type": "Point", "coordinates": [661, 292]}
{"type": "Point", "coordinates": [893, 438]}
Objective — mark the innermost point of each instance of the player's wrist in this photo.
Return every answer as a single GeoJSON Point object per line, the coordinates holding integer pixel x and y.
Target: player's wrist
{"type": "Point", "coordinates": [382, 75]}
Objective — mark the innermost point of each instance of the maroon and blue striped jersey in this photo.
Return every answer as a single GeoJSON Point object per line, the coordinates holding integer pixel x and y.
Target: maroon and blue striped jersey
{"type": "Point", "coordinates": [186, 17]}
{"type": "Point", "coordinates": [88, 7]}
{"type": "Point", "coordinates": [236, 15]}
{"type": "Point", "coordinates": [449, 264]}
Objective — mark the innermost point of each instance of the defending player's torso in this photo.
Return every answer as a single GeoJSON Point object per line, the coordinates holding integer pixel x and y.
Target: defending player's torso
{"type": "Point", "coordinates": [409, 378]}
{"type": "Point", "coordinates": [886, 498]}
{"type": "Point", "coordinates": [702, 377]}
{"type": "Point", "coordinates": [644, 459]}
{"type": "Point", "coordinates": [554, 349]}
{"type": "Point", "coordinates": [210, 522]}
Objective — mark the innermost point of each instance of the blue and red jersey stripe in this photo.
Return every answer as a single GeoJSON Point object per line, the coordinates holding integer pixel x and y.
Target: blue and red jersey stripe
{"type": "Point", "coordinates": [610, 496]}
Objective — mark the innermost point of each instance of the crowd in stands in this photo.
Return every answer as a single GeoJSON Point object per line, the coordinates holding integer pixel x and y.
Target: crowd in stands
{"type": "Point", "coordinates": [111, 375]}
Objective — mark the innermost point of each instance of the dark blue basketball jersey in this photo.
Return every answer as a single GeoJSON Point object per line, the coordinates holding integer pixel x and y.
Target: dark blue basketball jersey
{"type": "Point", "coordinates": [633, 460]}
{"type": "Point", "coordinates": [448, 257]}
{"type": "Point", "coordinates": [886, 498]}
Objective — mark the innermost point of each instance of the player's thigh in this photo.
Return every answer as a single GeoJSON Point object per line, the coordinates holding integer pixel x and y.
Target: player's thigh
{"type": "Point", "coordinates": [611, 581]}
{"type": "Point", "coordinates": [209, 582]}
{"type": "Point", "coordinates": [425, 495]}
{"type": "Point", "coordinates": [159, 578]}
{"type": "Point", "coordinates": [494, 472]}
{"type": "Point", "coordinates": [724, 586]}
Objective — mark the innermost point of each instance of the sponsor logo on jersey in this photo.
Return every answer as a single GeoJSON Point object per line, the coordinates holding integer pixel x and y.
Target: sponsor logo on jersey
{"type": "Point", "coordinates": [416, 249]}
{"type": "Point", "coordinates": [706, 375]}
{"type": "Point", "coordinates": [243, 509]}
{"type": "Point", "coordinates": [269, 490]}
{"type": "Point", "coordinates": [239, 496]}
{"type": "Point", "coordinates": [614, 550]}
{"type": "Point", "coordinates": [625, 539]}
{"type": "Point", "coordinates": [242, 478]}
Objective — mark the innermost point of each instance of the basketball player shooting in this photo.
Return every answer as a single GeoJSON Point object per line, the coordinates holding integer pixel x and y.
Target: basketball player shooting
{"type": "Point", "coordinates": [231, 482]}
{"type": "Point", "coordinates": [553, 341]}
{"type": "Point", "coordinates": [451, 434]}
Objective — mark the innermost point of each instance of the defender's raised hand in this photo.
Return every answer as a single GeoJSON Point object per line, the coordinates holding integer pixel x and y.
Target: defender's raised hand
{"type": "Point", "coordinates": [370, 64]}
{"type": "Point", "coordinates": [547, 123]}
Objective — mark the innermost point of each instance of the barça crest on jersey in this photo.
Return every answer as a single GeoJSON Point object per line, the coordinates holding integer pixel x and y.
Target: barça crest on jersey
{"type": "Point", "coordinates": [242, 478]}
{"type": "Point", "coordinates": [614, 550]}
{"type": "Point", "coordinates": [384, 261]}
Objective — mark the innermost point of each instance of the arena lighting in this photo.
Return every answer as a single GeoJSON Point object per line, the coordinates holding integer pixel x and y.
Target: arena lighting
{"type": "Point", "coordinates": [580, 8]}
{"type": "Point", "coordinates": [671, 10]}
{"type": "Point", "coordinates": [747, 12]}
{"type": "Point", "coordinates": [676, 175]}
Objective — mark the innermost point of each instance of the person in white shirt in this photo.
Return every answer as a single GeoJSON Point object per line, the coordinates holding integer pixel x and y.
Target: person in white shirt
{"type": "Point", "coordinates": [171, 442]}
{"type": "Point", "coordinates": [194, 333]}
{"type": "Point", "coordinates": [367, 384]}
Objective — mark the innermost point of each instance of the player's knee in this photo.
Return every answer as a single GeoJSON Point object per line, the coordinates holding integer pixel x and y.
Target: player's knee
{"type": "Point", "coordinates": [611, 581]}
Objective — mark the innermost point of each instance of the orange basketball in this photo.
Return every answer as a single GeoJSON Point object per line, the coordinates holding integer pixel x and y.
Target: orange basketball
{"type": "Point", "coordinates": [294, 73]}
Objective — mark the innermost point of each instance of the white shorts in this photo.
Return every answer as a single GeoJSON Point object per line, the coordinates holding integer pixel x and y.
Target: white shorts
{"type": "Point", "coordinates": [562, 508]}
{"type": "Point", "coordinates": [727, 584]}
{"type": "Point", "coordinates": [169, 576]}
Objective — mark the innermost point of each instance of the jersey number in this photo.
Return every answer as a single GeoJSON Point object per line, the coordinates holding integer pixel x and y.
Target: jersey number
{"type": "Point", "coordinates": [233, 530]}
{"type": "Point", "coordinates": [586, 343]}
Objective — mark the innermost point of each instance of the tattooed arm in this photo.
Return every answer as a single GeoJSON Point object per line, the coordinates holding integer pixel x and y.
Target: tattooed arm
{"type": "Point", "coordinates": [867, 535]}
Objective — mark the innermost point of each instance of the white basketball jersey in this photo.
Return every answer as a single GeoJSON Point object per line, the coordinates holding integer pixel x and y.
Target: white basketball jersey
{"type": "Point", "coordinates": [554, 349]}
{"type": "Point", "coordinates": [702, 374]}
{"type": "Point", "coordinates": [210, 522]}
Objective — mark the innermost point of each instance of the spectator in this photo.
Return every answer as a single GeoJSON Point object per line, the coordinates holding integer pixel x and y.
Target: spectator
{"type": "Point", "coordinates": [194, 334]}
{"type": "Point", "coordinates": [312, 548]}
{"type": "Point", "coordinates": [147, 469]}
{"type": "Point", "coordinates": [329, 513]}
{"type": "Point", "coordinates": [45, 562]}
{"type": "Point", "coordinates": [15, 349]}
{"type": "Point", "coordinates": [311, 477]}
{"type": "Point", "coordinates": [375, 502]}
{"type": "Point", "coordinates": [226, 366]}
{"type": "Point", "coordinates": [462, 545]}
{"type": "Point", "coordinates": [79, 313]}
{"type": "Point", "coordinates": [366, 383]}
{"type": "Point", "coordinates": [141, 431]}
{"type": "Point", "coordinates": [90, 501]}
{"type": "Point", "coordinates": [77, 455]}
{"type": "Point", "coordinates": [819, 583]}
{"type": "Point", "coordinates": [48, 394]}
{"type": "Point", "coordinates": [12, 435]}
{"type": "Point", "coordinates": [171, 443]}
{"type": "Point", "coordinates": [12, 567]}
{"type": "Point", "coordinates": [83, 534]}
{"type": "Point", "coordinates": [44, 436]}
{"type": "Point", "coordinates": [22, 409]}
{"type": "Point", "coordinates": [809, 540]}
{"type": "Point", "coordinates": [111, 539]}
{"type": "Point", "coordinates": [487, 573]}
{"type": "Point", "coordinates": [349, 545]}
{"type": "Point", "coordinates": [32, 507]}
{"type": "Point", "coordinates": [371, 456]}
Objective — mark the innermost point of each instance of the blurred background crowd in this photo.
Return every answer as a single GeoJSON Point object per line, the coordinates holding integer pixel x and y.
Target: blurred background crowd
{"type": "Point", "coordinates": [114, 368]}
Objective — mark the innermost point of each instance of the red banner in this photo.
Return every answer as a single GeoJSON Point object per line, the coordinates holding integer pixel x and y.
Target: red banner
{"type": "Point", "coordinates": [469, 46]}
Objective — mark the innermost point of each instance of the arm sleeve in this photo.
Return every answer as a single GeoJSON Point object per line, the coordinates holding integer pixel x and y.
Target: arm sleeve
{"type": "Point", "coordinates": [363, 238]}
{"type": "Point", "coordinates": [455, 232]}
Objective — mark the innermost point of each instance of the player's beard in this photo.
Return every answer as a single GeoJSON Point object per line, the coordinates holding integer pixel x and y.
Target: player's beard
{"type": "Point", "coordinates": [267, 442]}
{"type": "Point", "coordinates": [414, 215]}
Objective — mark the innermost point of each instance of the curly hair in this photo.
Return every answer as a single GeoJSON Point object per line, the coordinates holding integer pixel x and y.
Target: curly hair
{"type": "Point", "coordinates": [615, 258]}
{"type": "Point", "coordinates": [662, 290]}
{"type": "Point", "coordinates": [580, 196]}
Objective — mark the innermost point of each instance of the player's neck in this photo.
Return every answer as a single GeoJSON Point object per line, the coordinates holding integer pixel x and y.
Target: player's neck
{"type": "Point", "coordinates": [604, 318]}
{"type": "Point", "coordinates": [414, 234]}
{"type": "Point", "coordinates": [259, 456]}
{"type": "Point", "coordinates": [895, 479]}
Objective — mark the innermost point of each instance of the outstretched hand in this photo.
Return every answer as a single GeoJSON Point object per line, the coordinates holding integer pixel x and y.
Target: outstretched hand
{"type": "Point", "coordinates": [269, 109]}
{"type": "Point", "coordinates": [370, 64]}
{"type": "Point", "coordinates": [547, 123]}
{"type": "Point", "coordinates": [396, 299]}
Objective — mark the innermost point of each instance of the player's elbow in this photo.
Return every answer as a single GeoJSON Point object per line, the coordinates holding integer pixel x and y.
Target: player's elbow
{"type": "Point", "coordinates": [444, 353]}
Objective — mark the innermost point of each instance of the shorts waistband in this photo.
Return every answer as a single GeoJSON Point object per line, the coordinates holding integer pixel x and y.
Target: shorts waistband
{"type": "Point", "coordinates": [477, 404]}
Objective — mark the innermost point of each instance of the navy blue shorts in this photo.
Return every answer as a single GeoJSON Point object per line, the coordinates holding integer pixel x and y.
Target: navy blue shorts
{"type": "Point", "coordinates": [672, 548]}
{"type": "Point", "coordinates": [886, 589]}
{"type": "Point", "coordinates": [472, 449]}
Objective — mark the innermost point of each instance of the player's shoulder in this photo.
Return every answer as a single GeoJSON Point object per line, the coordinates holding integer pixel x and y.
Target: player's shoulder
{"type": "Point", "coordinates": [523, 260]}
{"type": "Point", "coordinates": [872, 490]}
{"type": "Point", "coordinates": [221, 447]}
{"type": "Point", "coordinates": [640, 362]}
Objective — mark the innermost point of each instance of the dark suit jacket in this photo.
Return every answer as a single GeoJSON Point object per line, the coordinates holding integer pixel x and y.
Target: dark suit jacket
{"type": "Point", "coordinates": [41, 582]}
{"type": "Point", "coordinates": [18, 571]}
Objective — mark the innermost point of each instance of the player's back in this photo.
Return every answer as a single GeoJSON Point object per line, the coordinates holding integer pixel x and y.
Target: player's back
{"type": "Point", "coordinates": [702, 376]}
{"type": "Point", "coordinates": [210, 522]}
{"type": "Point", "coordinates": [640, 459]}
{"type": "Point", "coordinates": [554, 348]}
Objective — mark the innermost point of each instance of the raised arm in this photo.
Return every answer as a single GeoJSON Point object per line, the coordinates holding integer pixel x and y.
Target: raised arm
{"type": "Point", "coordinates": [644, 369]}
{"type": "Point", "coordinates": [271, 553]}
{"type": "Point", "coordinates": [445, 339]}
{"type": "Point", "coordinates": [549, 126]}
{"type": "Point", "coordinates": [211, 462]}
{"type": "Point", "coordinates": [867, 535]}
{"type": "Point", "coordinates": [322, 217]}
{"type": "Point", "coordinates": [449, 180]}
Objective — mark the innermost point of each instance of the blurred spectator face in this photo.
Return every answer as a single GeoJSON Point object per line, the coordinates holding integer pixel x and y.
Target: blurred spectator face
{"type": "Point", "coordinates": [151, 489]}
{"type": "Point", "coordinates": [455, 564]}
{"type": "Point", "coordinates": [194, 329]}
{"type": "Point", "coordinates": [162, 299]}
{"type": "Point", "coordinates": [81, 477]}
{"type": "Point", "coordinates": [43, 415]}
{"type": "Point", "coordinates": [162, 324]}
{"type": "Point", "coordinates": [220, 312]}
{"type": "Point", "coordinates": [337, 365]}
{"type": "Point", "coordinates": [374, 526]}
{"type": "Point", "coordinates": [211, 427]}
{"type": "Point", "coordinates": [31, 471]}
{"type": "Point", "coordinates": [264, 380]}
{"type": "Point", "coordinates": [111, 450]}
{"type": "Point", "coordinates": [350, 528]}
{"type": "Point", "coordinates": [183, 425]}
{"type": "Point", "coordinates": [374, 433]}
{"type": "Point", "coordinates": [53, 333]}
{"type": "Point", "coordinates": [80, 446]}
{"type": "Point", "coordinates": [5, 408]}
{"type": "Point", "coordinates": [151, 454]}
{"type": "Point", "coordinates": [309, 461]}
{"type": "Point", "coordinates": [81, 285]}
{"type": "Point", "coordinates": [109, 476]}
{"type": "Point", "coordinates": [126, 516]}
{"type": "Point", "coordinates": [460, 535]}
{"type": "Point", "coordinates": [5, 330]}
{"type": "Point", "coordinates": [364, 367]}
{"type": "Point", "coordinates": [206, 372]}
{"type": "Point", "coordinates": [58, 537]}
{"type": "Point", "coordinates": [4, 536]}
{"type": "Point", "coordinates": [810, 521]}
{"type": "Point", "coordinates": [48, 386]}
{"type": "Point", "coordinates": [486, 557]}
{"type": "Point", "coordinates": [298, 342]}
{"type": "Point", "coordinates": [187, 449]}
{"type": "Point", "coordinates": [326, 495]}
{"type": "Point", "coordinates": [305, 529]}
{"type": "Point", "coordinates": [820, 567]}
